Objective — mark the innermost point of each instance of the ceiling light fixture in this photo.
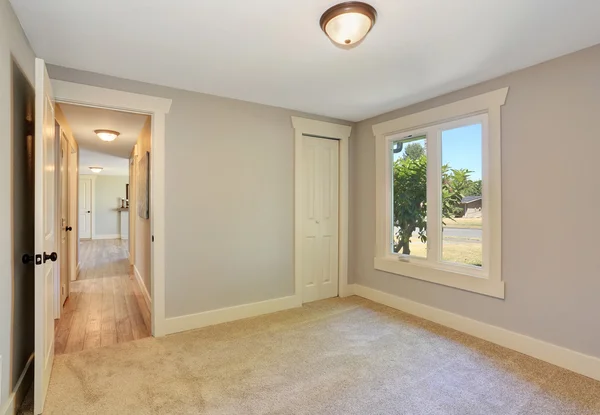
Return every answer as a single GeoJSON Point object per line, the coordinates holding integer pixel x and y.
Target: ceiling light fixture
{"type": "Point", "coordinates": [96, 169]}
{"type": "Point", "coordinates": [348, 23]}
{"type": "Point", "coordinates": [107, 135]}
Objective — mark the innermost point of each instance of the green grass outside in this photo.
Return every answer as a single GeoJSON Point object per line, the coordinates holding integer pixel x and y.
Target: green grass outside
{"type": "Point", "coordinates": [466, 253]}
{"type": "Point", "coordinates": [463, 223]}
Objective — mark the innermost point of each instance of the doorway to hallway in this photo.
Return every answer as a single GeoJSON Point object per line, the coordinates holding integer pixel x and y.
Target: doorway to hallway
{"type": "Point", "coordinates": [106, 305]}
{"type": "Point", "coordinates": [109, 300]}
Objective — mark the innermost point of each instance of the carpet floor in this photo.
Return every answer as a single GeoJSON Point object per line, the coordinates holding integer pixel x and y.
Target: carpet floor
{"type": "Point", "coordinates": [338, 356]}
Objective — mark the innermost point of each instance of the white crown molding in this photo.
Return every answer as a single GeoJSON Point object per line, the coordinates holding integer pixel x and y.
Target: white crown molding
{"type": "Point", "coordinates": [73, 93]}
{"type": "Point", "coordinates": [321, 128]}
{"type": "Point", "coordinates": [448, 112]}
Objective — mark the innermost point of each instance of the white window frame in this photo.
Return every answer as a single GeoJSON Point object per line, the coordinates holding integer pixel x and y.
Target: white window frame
{"type": "Point", "coordinates": [484, 109]}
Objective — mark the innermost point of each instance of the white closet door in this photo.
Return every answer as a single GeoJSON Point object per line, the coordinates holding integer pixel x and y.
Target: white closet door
{"type": "Point", "coordinates": [320, 190]}
{"type": "Point", "coordinates": [85, 208]}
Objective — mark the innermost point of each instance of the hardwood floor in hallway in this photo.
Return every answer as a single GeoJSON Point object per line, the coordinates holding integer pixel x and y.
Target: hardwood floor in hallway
{"type": "Point", "coordinates": [106, 305]}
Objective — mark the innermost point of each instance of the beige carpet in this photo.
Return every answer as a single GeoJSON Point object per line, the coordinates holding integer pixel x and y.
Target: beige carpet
{"type": "Point", "coordinates": [339, 356]}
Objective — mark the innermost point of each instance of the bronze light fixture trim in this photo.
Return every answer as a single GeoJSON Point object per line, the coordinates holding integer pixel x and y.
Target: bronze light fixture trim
{"type": "Point", "coordinates": [348, 23]}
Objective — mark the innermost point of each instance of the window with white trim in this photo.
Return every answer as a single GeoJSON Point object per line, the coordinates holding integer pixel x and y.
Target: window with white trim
{"type": "Point", "coordinates": [439, 195]}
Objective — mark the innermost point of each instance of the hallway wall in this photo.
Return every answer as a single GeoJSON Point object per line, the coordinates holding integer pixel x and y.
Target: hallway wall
{"type": "Point", "coordinates": [143, 232]}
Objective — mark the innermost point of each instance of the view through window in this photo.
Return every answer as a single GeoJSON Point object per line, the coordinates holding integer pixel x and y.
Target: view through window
{"type": "Point", "coordinates": [459, 203]}
{"type": "Point", "coordinates": [409, 196]}
{"type": "Point", "coordinates": [462, 200]}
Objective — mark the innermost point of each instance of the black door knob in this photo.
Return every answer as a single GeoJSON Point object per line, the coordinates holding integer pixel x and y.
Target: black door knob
{"type": "Point", "coordinates": [52, 257]}
{"type": "Point", "coordinates": [69, 228]}
{"type": "Point", "coordinates": [26, 258]}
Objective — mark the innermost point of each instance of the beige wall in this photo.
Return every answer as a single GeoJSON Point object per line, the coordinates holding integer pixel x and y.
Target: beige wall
{"type": "Point", "coordinates": [73, 190]}
{"type": "Point", "coordinates": [143, 232]}
{"type": "Point", "coordinates": [64, 125]}
{"type": "Point", "coordinates": [550, 159]}
{"type": "Point", "coordinates": [12, 42]}
{"type": "Point", "coordinates": [229, 197]}
{"type": "Point", "coordinates": [108, 190]}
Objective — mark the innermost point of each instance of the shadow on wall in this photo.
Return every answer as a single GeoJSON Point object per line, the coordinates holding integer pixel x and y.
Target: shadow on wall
{"type": "Point", "coordinates": [23, 324]}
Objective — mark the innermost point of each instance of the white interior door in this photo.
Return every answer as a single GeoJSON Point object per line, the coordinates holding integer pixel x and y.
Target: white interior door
{"type": "Point", "coordinates": [320, 190]}
{"type": "Point", "coordinates": [45, 238]}
{"type": "Point", "coordinates": [85, 208]}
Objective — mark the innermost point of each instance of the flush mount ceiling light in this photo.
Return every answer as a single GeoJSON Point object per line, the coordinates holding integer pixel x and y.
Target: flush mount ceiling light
{"type": "Point", "coordinates": [348, 23]}
{"type": "Point", "coordinates": [96, 169]}
{"type": "Point", "coordinates": [107, 135]}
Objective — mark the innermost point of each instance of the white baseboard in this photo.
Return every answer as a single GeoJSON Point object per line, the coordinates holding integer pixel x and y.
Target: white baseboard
{"type": "Point", "coordinates": [9, 407]}
{"type": "Point", "coordinates": [566, 358]}
{"type": "Point", "coordinates": [224, 315]}
{"type": "Point", "coordinates": [143, 288]}
{"type": "Point", "coordinates": [346, 290]}
{"type": "Point", "coordinates": [109, 236]}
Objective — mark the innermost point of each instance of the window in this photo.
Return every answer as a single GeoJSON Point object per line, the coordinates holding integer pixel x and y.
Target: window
{"type": "Point", "coordinates": [438, 195]}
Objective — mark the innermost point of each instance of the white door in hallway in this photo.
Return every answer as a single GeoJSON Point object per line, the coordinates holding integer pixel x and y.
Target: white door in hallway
{"type": "Point", "coordinates": [45, 236]}
{"type": "Point", "coordinates": [85, 208]}
{"type": "Point", "coordinates": [320, 190]}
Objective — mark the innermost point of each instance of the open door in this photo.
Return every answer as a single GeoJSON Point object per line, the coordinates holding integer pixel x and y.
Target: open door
{"type": "Point", "coordinates": [45, 238]}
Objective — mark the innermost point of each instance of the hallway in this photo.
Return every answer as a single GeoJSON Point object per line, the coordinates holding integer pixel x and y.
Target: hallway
{"type": "Point", "coordinates": [105, 306]}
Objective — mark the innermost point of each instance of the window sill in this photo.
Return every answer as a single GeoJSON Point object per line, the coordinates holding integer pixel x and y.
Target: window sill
{"type": "Point", "coordinates": [426, 272]}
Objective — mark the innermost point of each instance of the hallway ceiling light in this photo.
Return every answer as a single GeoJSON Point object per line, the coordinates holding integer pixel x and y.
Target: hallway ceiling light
{"type": "Point", "coordinates": [107, 135]}
{"type": "Point", "coordinates": [96, 169]}
{"type": "Point", "coordinates": [348, 23]}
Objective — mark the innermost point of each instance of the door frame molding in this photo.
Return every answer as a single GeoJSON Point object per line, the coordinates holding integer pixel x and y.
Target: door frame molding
{"type": "Point", "coordinates": [58, 226]}
{"type": "Point", "coordinates": [326, 130]}
{"type": "Point", "coordinates": [157, 108]}
{"type": "Point", "coordinates": [73, 211]}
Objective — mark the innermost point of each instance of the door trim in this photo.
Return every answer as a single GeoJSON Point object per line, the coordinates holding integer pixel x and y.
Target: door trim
{"type": "Point", "coordinates": [302, 127]}
{"type": "Point", "coordinates": [157, 108]}
{"type": "Point", "coordinates": [58, 228]}
{"type": "Point", "coordinates": [73, 211]}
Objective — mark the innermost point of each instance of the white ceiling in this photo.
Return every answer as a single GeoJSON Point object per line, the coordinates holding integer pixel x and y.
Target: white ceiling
{"type": "Point", "coordinates": [111, 165]}
{"type": "Point", "coordinates": [273, 51]}
{"type": "Point", "coordinates": [113, 156]}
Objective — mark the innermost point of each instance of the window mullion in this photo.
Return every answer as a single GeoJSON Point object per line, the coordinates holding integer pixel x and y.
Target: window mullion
{"type": "Point", "coordinates": [434, 195]}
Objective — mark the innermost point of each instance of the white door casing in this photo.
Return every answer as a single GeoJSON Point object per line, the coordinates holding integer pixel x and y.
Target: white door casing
{"type": "Point", "coordinates": [157, 108]}
{"type": "Point", "coordinates": [320, 200]}
{"type": "Point", "coordinates": [73, 213]}
{"type": "Point", "coordinates": [64, 221]}
{"type": "Point", "coordinates": [45, 237]}
{"type": "Point", "coordinates": [132, 203]}
{"type": "Point", "coordinates": [306, 127]}
{"type": "Point", "coordinates": [85, 208]}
